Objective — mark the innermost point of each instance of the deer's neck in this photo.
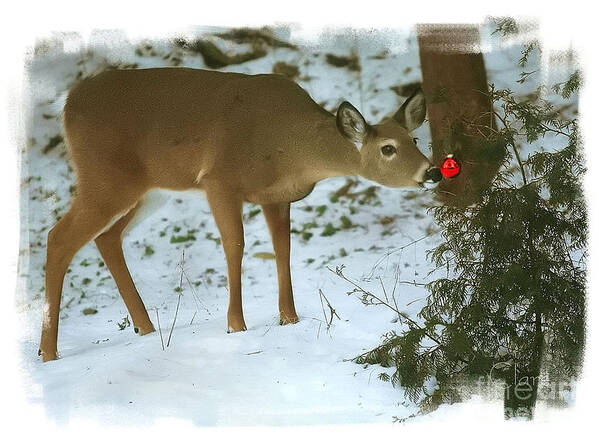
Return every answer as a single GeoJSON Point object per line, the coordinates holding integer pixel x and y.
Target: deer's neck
{"type": "Point", "coordinates": [335, 155]}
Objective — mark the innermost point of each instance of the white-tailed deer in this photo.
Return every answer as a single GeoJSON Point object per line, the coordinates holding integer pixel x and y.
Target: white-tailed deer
{"type": "Point", "coordinates": [239, 138]}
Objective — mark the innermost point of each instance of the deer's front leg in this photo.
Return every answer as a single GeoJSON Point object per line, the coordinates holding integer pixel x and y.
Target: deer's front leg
{"type": "Point", "coordinates": [226, 208]}
{"type": "Point", "coordinates": [277, 218]}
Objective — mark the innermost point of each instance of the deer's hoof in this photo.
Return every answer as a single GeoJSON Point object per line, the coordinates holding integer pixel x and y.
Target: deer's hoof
{"type": "Point", "coordinates": [288, 319]}
{"type": "Point", "coordinates": [48, 356]}
{"type": "Point", "coordinates": [144, 330]}
{"type": "Point", "coordinates": [236, 325]}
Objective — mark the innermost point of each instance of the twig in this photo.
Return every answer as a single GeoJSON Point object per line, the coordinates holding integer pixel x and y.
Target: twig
{"type": "Point", "coordinates": [320, 322]}
{"type": "Point", "coordinates": [413, 324]}
{"type": "Point", "coordinates": [386, 255]}
{"type": "Point", "coordinates": [159, 329]}
{"type": "Point", "coordinates": [269, 327]}
{"type": "Point", "coordinates": [447, 192]}
{"type": "Point", "coordinates": [181, 264]}
{"type": "Point", "coordinates": [415, 284]}
{"type": "Point", "coordinates": [193, 317]}
{"type": "Point", "coordinates": [254, 353]}
{"type": "Point", "coordinates": [415, 300]}
{"type": "Point", "coordinates": [168, 342]}
{"type": "Point", "coordinates": [195, 296]}
{"type": "Point", "coordinates": [397, 273]}
{"type": "Point", "coordinates": [384, 291]}
{"type": "Point", "coordinates": [333, 312]}
{"type": "Point", "coordinates": [339, 272]}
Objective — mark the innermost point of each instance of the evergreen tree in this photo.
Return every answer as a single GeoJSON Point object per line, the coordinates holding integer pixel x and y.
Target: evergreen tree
{"type": "Point", "coordinates": [511, 306]}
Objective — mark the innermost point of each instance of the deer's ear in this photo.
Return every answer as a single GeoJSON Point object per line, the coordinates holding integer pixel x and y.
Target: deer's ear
{"type": "Point", "coordinates": [351, 123]}
{"type": "Point", "coordinates": [413, 111]}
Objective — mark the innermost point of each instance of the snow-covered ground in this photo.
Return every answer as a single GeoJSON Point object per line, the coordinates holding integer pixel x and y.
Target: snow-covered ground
{"type": "Point", "coordinates": [269, 375]}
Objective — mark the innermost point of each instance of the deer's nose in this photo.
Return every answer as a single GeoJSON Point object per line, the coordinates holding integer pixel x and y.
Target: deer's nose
{"type": "Point", "coordinates": [433, 175]}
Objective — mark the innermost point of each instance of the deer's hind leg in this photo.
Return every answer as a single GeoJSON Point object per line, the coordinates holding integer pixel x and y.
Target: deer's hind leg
{"type": "Point", "coordinates": [89, 216]}
{"type": "Point", "coordinates": [110, 244]}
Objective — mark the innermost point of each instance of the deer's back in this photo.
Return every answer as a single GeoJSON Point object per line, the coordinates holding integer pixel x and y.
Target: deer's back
{"type": "Point", "coordinates": [171, 123]}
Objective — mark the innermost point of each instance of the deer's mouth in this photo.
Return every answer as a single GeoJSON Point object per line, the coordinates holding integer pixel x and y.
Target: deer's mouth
{"type": "Point", "coordinates": [428, 185]}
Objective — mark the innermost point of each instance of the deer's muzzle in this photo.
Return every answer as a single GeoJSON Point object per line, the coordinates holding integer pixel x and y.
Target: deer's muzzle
{"type": "Point", "coordinates": [433, 175]}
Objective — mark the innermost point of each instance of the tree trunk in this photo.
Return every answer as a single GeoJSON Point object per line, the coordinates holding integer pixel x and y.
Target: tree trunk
{"type": "Point", "coordinates": [522, 384]}
{"type": "Point", "coordinates": [459, 108]}
{"type": "Point", "coordinates": [520, 393]}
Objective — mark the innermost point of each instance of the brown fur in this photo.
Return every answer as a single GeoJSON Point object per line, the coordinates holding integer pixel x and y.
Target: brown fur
{"type": "Point", "coordinates": [238, 138]}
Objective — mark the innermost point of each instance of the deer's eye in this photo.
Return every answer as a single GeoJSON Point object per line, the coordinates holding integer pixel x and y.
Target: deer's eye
{"type": "Point", "coordinates": [415, 139]}
{"type": "Point", "coordinates": [388, 150]}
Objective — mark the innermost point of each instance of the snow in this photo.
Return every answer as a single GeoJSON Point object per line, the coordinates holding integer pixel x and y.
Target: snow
{"type": "Point", "coordinates": [298, 374]}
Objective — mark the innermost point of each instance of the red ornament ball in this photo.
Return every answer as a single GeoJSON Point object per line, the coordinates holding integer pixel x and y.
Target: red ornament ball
{"type": "Point", "coordinates": [450, 167]}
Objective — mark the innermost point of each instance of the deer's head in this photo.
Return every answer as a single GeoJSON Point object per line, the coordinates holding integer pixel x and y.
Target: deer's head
{"type": "Point", "coordinates": [388, 151]}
